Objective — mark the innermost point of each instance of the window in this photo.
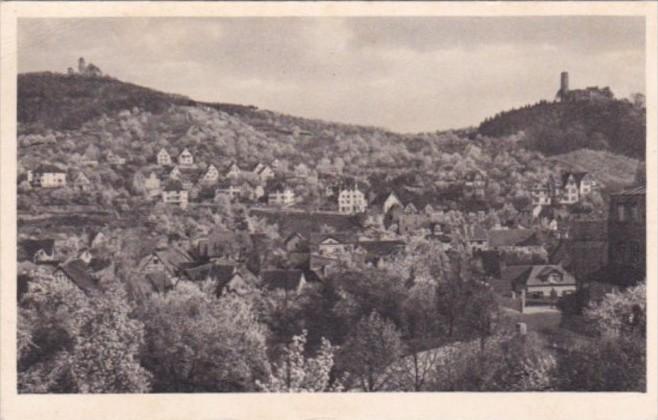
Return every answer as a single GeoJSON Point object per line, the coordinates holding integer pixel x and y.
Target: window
{"type": "Point", "coordinates": [635, 215]}
{"type": "Point", "coordinates": [636, 254]}
{"type": "Point", "coordinates": [621, 252]}
{"type": "Point", "coordinates": [621, 214]}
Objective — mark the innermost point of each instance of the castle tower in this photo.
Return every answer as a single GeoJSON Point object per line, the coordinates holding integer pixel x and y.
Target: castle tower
{"type": "Point", "coordinates": [564, 86]}
{"type": "Point", "coordinates": [82, 66]}
{"type": "Point", "coordinates": [564, 81]}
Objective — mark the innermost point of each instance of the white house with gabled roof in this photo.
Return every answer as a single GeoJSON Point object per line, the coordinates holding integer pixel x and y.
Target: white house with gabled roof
{"type": "Point", "coordinates": [163, 157]}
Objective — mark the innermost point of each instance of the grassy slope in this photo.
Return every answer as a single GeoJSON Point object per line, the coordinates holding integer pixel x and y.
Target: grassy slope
{"type": "Point", "coordinates": [613, 170]}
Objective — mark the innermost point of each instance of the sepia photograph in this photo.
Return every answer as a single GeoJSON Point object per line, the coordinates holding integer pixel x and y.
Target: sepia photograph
{"type": "Point", "coordinates": [330, 204]}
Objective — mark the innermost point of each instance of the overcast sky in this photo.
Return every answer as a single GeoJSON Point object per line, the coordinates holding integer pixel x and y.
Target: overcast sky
{"type": "Point", "coordinates": [407, 74]}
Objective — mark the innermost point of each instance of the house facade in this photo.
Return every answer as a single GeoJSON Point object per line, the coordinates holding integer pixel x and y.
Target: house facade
{"type": "Point", "coordinates": [81, 182]}
{"type": "Point", "coordinates": [544, 281]}
{"type": "Point", "coordinates": [185, 158]}
{"type": "Point", "coordinates": [541, 195]}
{"type": "Point", "coordinates": [163, 157]}
{"type": "Point", "coordinates": [474, 187]}
{"type": "Point", "coordinates": [627, 234]}
{"type": "Point", "coordinates": [175, 194]}
{"type": "Point", "coordinates": [48, 176]}
{"type": "Point", "coordinates": [284, 197]}
{"type": "Point", "coordinates": [211, 176]}
{"type": "Point", "coordinates": [263, 172]}
{"type": "Point", "coordinates": [351, 201]}
{"type": "Point", "coordinates": [233, 170]}
{"type": "Point", "coordinates": [152, 185]}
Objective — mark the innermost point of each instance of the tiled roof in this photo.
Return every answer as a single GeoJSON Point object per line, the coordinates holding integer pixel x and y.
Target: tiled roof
{"type": "Point", "coordinates": [173, 258]}
{"type": "Point", "coordinates": [282, 279]}
{"type": "Point", "coordinates": [513, 272]}
{"type": "Point", "coordinates": [539, 274]}
{"type": "Point", "coordinates": [340, 237]}
{"type": "Point", "coordinates": [174, 185]}
{"type": "Point", "coordinates": [98, 264]}
{"type": "Point", "coordinates": [639, 190]}
{"type": "Point", "coordinates": [307, 223]}
{"type": "Point", "coordinates": [578, 177]}
{"type": "Point", "coordinates": [48, 168]}
{"type": "Point", "coordinates": [160, 282]}
{"type": "Point", "coordinates": [382, 248]}
{"type": "Point", "coordinates": [76, 270]}
{"type": "Point", "coordinates": [512, 237]}
{"type": "Point", "coordinates": [215, 272]}
{"type": "Point", "coordinates": [586, 230]}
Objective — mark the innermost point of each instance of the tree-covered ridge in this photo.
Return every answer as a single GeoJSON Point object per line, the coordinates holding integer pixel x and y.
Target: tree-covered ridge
{"type": "Point", "coordinates": [560, 127]}
{"type": "Point", "coordinates": [65, 102]}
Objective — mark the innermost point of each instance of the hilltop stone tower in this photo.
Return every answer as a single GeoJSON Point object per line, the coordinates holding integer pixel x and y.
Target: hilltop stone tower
{"type": "Point", "coordinates": [82, 66]}
{"type": "Point", "coordinates": [564, 81]}
{"type": "Point", "coordinates": [564, 86]}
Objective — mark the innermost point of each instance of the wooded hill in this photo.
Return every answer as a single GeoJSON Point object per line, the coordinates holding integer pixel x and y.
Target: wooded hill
{"type": "Point", "coordinates": [560, 127]}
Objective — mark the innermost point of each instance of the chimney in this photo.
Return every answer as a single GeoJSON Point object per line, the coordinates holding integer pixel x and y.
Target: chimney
{"type": "Point", "coordinates": [522, 328]}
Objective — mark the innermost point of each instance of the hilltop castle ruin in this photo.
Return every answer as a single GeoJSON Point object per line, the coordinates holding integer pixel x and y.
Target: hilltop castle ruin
{"type": "Point", "coordinates": [590, 93]}
{"type": "Point", "coordinates": [84, 69]}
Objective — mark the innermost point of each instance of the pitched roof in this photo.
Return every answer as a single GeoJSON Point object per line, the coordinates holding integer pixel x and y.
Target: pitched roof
{"type": "Point", "coordinates": [29, 247]}
{"type": "Point", "coordinates": [307, 223]}
{"type": "Point", "coordinates": [382, 248]}
{"type": "Point", "coordinates": [81, 177]}
{"type": "Point", "coordinates": [589, 230]}
{"type": "Point", "coordinates": [512, 237]}
{"type": "Point", "coordinates": [43, 168]}
{"type": "Point", "coordinates": [173, 258]}
{"type": "Point", "coordinates": [212, 271]}
{"type": "Point", "coordinates": [420, 199]}
{"type": "Point", "coordinates": [282, 279]}
{"type": "Point", "coordinates": [539, 276]}
{"type": "Point", "coordinates": [340, 237]}
{"type": "Point", "coordinates": [578, 177]}
{"type": "Point", "coordinates": [230, 166]}
{"type": "Point", "coordinates": [98, 264]}
{"type": "Point", "coordinates": [381, 198]}
{"type": "Point", "coordinates": [513, 272]}
{"type": "Point", "coordinates": [160, 282]}
{"type": "Point", "coordinates": [76, 270]}
{"type": "Point", "coordinates": [639, 190]}
{"type": "Point", "coordinates": [173, 185]}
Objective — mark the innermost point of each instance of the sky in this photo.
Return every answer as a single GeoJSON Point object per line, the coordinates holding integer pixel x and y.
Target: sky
{"type": "Point", "coordinates": [407, 74]}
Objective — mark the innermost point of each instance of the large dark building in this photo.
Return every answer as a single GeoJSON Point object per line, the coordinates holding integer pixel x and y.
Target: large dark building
{"type": "Point", "coordinates": [627, 236]}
